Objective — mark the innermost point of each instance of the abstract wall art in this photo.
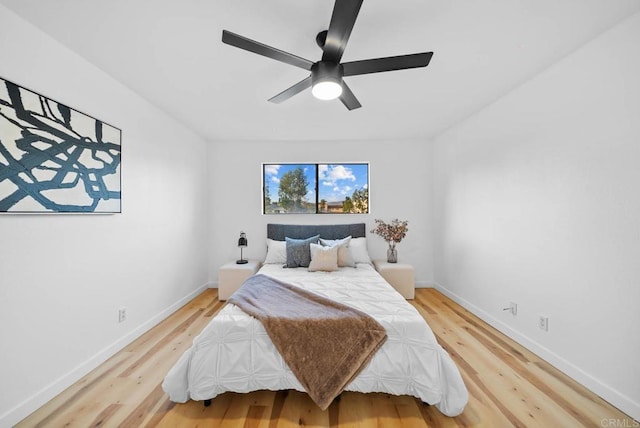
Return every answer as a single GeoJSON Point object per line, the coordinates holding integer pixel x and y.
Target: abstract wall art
{"type": "Point", "coordinates": [54, 159]}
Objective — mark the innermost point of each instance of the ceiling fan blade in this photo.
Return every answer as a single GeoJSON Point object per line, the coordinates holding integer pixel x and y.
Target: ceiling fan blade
{"type": "Point", "coordinates": [293, 90]}
{"type": "Point", "coordinates": [377, 65]}
{"type": "Point", "coordinates": [343, 18]}
{"type": "Point", "coordinates": [348, 99]}
{"type": "Point", "coordinates": [261, 49]}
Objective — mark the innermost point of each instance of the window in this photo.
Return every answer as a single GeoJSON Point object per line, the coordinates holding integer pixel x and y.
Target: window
{"type": "Point", "coordinates": [315, 188]}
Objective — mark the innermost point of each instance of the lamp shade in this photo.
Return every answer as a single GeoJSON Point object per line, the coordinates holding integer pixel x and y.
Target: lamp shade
{"type": "Point", "coordinates": [242, 241]}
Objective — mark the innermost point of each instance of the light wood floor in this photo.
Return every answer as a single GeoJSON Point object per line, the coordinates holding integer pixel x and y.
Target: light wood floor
{"type": "Point", "coordinates": [508, 385]}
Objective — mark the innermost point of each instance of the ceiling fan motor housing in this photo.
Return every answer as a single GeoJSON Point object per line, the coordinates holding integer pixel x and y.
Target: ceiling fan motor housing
{"type": "Point", "coordinates": [326, 80]}
{"type": "Point", "coordinates": [323, 71]}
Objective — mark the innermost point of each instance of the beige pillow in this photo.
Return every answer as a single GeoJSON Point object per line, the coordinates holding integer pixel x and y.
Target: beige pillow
{"type": "Point", "coordinates": [345, 259]}
{"type": "Point", "coordinates": [323, 258]}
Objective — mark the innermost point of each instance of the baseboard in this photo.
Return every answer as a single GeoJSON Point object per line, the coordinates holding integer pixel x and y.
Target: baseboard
{"type": "Point", "coordinates": [621, 401]}
{"type": "Point", "coordinates": [37, 400]}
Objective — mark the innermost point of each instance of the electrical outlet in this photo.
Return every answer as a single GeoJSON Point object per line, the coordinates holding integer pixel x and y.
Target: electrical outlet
{"type": "Point", "coordinates": [122, 314]}
{"type": "Point", "coordinates": [543, 323]}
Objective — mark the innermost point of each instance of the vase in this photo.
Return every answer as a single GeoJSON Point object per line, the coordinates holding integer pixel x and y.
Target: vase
{"type": "Point", "coordinates": [392, 253]}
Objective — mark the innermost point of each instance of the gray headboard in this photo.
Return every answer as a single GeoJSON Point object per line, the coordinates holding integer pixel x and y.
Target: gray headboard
{"type": "Point", "coordinates": [326, 231]}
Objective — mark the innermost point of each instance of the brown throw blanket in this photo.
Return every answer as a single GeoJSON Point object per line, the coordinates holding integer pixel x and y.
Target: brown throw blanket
{"type": "Point", "coordinates": [324, 343]}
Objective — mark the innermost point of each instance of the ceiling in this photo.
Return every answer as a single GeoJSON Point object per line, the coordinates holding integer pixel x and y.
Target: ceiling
{"type": "Point", "coordinates": [170, 52]}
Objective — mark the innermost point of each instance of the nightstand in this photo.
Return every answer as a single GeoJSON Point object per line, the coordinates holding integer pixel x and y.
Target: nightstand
{"type": "Point", "coordinates": [232, 275]}
{"type": "Point", "coordinates": [399, 275]}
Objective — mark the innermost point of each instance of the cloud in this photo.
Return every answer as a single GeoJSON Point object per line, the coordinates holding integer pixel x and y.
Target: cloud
{"type": "Point", "coordinates": [275, 179]}
{"type": "Point", "coordinates": [330, 174]}
{"type": "Point", "coordinates": [271, 169]}
{"type": "Point", "coordinates": [339, 192]}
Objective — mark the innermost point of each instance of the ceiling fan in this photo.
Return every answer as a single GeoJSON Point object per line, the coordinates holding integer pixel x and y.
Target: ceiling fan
{"type": "Point", "coordinates": [326, 79]}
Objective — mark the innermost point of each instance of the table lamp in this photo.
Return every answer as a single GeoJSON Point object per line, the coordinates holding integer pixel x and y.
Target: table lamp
{"type": "Point", "coordinates": [242, 243]}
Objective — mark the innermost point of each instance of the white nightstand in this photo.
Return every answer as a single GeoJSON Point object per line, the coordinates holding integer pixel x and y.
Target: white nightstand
{"type": "Point", "coordinates": [232, 275]}
{"type": "Point", "coordinates": [399, 275]}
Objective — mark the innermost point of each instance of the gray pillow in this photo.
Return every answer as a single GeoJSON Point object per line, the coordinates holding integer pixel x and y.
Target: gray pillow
{"type": "Point", "coordinates": [298, 251]}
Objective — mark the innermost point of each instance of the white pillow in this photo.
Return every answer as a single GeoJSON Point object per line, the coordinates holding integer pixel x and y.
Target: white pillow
{"type": "Point", "coordinates": [358, 247]}
{"type": "Point", "coordinates": [276, 252]}
{"type": "Point", "coordinates": [323, 258]}
{"type": "Point", "coordinates": [345, 259]}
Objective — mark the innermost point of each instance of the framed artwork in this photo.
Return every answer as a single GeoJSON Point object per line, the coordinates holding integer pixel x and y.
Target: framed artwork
{"type": "Point", "coordinates": [54, 159]}
{"type": "Point", "coordinates": [315, 188]}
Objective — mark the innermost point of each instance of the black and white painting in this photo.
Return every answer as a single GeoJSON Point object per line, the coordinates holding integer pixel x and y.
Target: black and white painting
{"type": "Point", "coordinates": [54, 159]}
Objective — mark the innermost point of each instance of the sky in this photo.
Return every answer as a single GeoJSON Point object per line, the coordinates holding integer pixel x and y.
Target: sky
{"type": "Point", "coordinates": [335, 180]}
{"type": "Point", "coordinates": [340, 180]}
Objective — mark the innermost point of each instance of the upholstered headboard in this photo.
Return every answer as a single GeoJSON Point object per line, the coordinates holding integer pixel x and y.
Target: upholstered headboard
{"type": "Point", "coordinates": [326, 231]}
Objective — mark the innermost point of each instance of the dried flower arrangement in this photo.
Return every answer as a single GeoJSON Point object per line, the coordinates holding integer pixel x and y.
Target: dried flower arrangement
{"type": "Point", "coordinates": [393, 233]}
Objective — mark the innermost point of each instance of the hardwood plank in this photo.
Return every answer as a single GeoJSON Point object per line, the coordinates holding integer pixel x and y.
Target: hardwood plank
{"type": "Point", "coordinates": [137, 417]}
{"type": "Point", "coordinates": [75, 393]}
{"type": "Point", "coordinates": [162, 410]}
{"type": "Point", "coordinates": [385, 412]}
{"type": "Point", "coordinates": [276, 408]}
{"type": "Point", "coordinates": [355, 411]}
{"type": "Point", "coordinates": [162, 344]}
{"type": "Point", "coordinates": [509, 386]}
{"type": "Point", "coordinates": [104, 416]}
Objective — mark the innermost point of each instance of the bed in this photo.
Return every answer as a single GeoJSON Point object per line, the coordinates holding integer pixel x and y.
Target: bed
{"type": "Point", "coordinates": [234, 352]}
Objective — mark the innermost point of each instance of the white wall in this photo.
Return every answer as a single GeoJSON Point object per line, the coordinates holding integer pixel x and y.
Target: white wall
{"type": "Point", "coordinates": [537, 201]}
{"type": "Point", "coordinates": [399, 188]}
{"type": "Point", "coordinates": [63, 277]}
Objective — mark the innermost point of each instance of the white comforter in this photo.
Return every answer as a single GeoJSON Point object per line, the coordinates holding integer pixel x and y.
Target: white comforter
{"type": "Point", "coordinates": [234, 353]}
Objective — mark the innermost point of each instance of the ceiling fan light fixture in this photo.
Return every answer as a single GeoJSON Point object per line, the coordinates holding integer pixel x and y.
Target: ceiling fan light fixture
{"type": "Point", "coordinates": [326, 80]}
{"type": "Point", "coordinates": [327, 90]}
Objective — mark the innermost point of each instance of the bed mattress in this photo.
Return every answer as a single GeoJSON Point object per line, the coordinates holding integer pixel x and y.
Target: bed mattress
{"type": "Point", "coordinates": [234, 353]}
